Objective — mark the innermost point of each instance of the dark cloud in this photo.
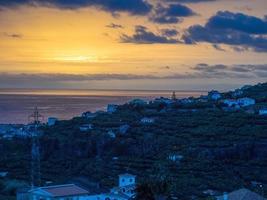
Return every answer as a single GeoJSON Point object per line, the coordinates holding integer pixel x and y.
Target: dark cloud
{"type": "Point", "coordinates": [237, 21]}
{"type": "Point", "coordinates": [232, 29]}
{"type": "Point", "coordinates": [143, 36]}
{"type": "Point", "coordinates": [135, 7]}
{"type": "Point", "coordinates": [218, 47]}
{"type": "Point", "coordinates": [231, 71]}
{"type": "Point", "coordinates": [114, 26]}
{"type": "Point", "coordinates": [171, 14]}
{"type": "Point", "coordinates": [200, 71]}
{"type": "Point", "coordinates": [169, 32]}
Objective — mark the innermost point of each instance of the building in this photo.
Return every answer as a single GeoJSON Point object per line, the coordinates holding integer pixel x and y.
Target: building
{"type": "Point", "coordinates": [163, 100]}
{"type": "Point", "coordinates": [242, 194]}
{"type": "Point", "coordinates": [124, 191]}
{"type": "Point", "coordinates": [243, 102]}
{"type": "Point", "coordinates": [147, 120]}
{"type": "Point", "coordinates": [111, 134]}
{"type": "Point", "coordinates": [86, 127]}
{"type": "Point", "coordinates": [51, 121]}
{"type": "Point", "coordinates": [123, 129]}
{"type": "Point", "coordinates": [237, 93]}
{"type": "Point", "coordinates": [214, 95]}
{"type": "Point", "coordinates": [58, 192]}
{"type": "Point", "coordinates": [138, 102]}
{"type": "Point", "coordinates": [89, 115]}
{"type": "Point", "coordinates": [263, 111]}
{"type": "Point", "coordinates": [111, 108]}
{"type": "Point", "coordinates": [230, 102]}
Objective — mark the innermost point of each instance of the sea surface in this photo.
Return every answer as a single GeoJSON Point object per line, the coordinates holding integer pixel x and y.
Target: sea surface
{"type": "Point", "coordinates": [17, 104]}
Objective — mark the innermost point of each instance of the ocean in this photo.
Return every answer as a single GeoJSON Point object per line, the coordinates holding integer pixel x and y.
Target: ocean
{"type": "Point", "coordinates": [17, 104]}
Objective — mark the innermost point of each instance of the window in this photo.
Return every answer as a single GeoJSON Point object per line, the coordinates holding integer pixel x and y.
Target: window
{"type": "Point", "coordinates": [123, 190]}
{"type": "Point", "coordinates": [107, 198]}
{"type": "Point", "coordinates": [131, 180]}
{"type": "Point", "coordinates": [123, 180]}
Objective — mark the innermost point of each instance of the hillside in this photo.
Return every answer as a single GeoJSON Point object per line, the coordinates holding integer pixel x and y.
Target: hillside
{"type": "Point", "coordinates": [191, 147]}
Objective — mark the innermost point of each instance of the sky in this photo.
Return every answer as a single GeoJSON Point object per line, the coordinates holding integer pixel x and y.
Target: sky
{"type": "Point", "coordinates": [133, 44]}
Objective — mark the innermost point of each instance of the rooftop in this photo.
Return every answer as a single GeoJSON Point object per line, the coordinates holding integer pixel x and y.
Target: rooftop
{"type": "Point", "coordinates": [63, 190]}
{"type": "Point", "coordinates": [242, 194]}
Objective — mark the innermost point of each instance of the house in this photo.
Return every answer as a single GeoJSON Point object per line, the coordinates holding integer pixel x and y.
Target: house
{"type": "Point", "coordinates": [86, 127]}
{"type": "Point", "coordinates": [51, 121]}
{"type": "Point", "coordinates": [214, 95]}
{"type": "Point", "coordinates": [111, 108]}
{"type": "Point", "coordinates": [89, 115]}
{"type": "Point", "coordinates": [186, 101]}
{"type": "Point", "coordinates": [263, 111]}
{"type": "Point", "coordinates": [237, 93]}
{"type": "Point", "coordinates": [58, 192]}
{"type": "Point", "coordinates": [242, 194]}
{"type": "Point", "coordinates": [138, 102]}
{"type": "Point", "coordinates": [147, 120]}
{"type": "Point", "coordinates": [243, 102]}
{"type": "Point", "coordinates": [111, 134]}
{"type": "Point", "coordinates": [163, 100]}
{"type": "Point", "coordinates": [3, 174]}
{"type": "Point", "coordinates": [124, 129]}
{"type": "Point", "coordinates": [124, 191]}
{"type": "Point", "coordinates": [230, 102]}
{"type": "Point", "coordinates": [175, 157]}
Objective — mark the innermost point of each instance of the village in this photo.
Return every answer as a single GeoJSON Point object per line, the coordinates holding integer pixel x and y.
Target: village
{"type": "Point", "coordinates": [151, 113]}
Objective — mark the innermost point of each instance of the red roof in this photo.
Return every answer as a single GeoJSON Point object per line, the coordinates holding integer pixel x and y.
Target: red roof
{"type": "Point", "coordinates": [64, 190]}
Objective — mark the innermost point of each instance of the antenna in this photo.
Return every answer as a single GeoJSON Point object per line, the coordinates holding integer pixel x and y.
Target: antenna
{"type": "Point", "coordinates": [35, 120]}
{"type": "Point", "coordinates": [173, 96]}
{"type": "Point", "coordinates": [36, 117]}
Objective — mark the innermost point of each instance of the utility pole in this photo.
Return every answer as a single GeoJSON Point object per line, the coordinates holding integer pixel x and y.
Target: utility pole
{"type": "Point", "coordinates": [35, 121]}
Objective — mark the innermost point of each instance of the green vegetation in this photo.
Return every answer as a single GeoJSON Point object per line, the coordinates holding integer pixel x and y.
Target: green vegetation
{"type": "Point", "coordinates": [221, 151]}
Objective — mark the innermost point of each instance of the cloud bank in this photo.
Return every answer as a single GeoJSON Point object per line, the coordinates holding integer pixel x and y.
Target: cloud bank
{"type": "Point", "coordinates": [237, 29]}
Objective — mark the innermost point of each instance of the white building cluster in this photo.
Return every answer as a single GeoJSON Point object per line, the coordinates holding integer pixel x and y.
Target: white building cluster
{"type": "Point", "coordinates": [124, 191]}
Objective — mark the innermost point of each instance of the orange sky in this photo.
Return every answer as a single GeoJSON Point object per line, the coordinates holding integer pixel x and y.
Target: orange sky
{"type": "Point", "coordinates": [36, 40]}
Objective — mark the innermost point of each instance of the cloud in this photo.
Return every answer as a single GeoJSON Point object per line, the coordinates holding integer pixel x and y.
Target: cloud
{"type": "Point", "coordinates": [246, 32]}
{"type": "Point", "coordinates": [171, 14]}
{"type": "Point", "coordinates": [169, 32]}
{"type": "Point", "coordinates": [143, 36]}
{"type": "Point", "coordinates": [238, 22]}
{"type": "Point", "coordinates": [134, 7]}
{"type": "Point", "coordinates": [115, 26]}
{"type": "Point", "coordinates": [200, 71]}
{"type": "Point", "coordinates": [231, 71]}
{"type": "Point", "coordinates": [13, 35]}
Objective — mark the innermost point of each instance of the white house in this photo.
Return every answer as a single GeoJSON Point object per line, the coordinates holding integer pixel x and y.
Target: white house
{"type": "Point", "coordinates": [138, 102]}
{"type": "Point", "coordinates": [175, 157]}
{"type": "Point", "coordinates": [89, 115]}
{"type": "Point", "coordinates": [214, 95]}
{"type": "Point", "coordinates": [163, 100]}
{"type": "Point", "coordinates": [124, 191]}
{"type": "Point", "coordinates": [123, 129]}
{"type": "Point", "coordinates": [263, 111]}
{"type": "Point", "coordinates": [231, 102]}
{"type": "Point", "coordinates": [86, 127]}
{"type": "Point", "coordinates": [51, 121]}
{"type": "Point", "coordinates": [243, 102]}
{"type": "Point", "coordinates": [58, 192]}
{"type": "Point", "coordinates": [147, 120]}
{"type": "Point", "coordinates": [237, 93]}
{"type": "Point", "coordinates": [111, 108]}
{"type": "Point", "coordinates": [111, 134]}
